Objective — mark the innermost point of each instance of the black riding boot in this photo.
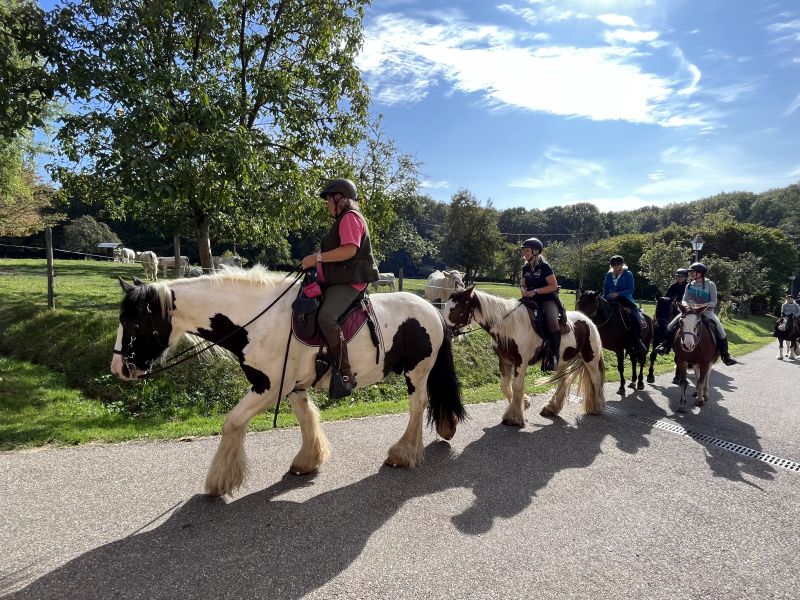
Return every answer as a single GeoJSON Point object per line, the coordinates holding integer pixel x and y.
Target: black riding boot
{"type": "Point", "coordinates": [550, 362]}
{"type": "Point", "coordinates": [666, 346]}
{"type": "Point", "coordinates": [722, 345]}
{"type": "Point", "coordinates": [343, 380]}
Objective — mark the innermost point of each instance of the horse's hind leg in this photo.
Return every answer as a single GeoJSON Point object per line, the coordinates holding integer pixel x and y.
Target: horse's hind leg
{"type": "Point", "coordinates": [314, 449]}
{"type": "Point", "coordinates": [621, 370]}
{"type": "Point", "coordinates": [229, 467]}
{"type": "Point", "coordinates": [651, 378]}
{"type": "Point", "coordinates": [515, 413]}
{"type": "Point", "coordinates": [408, 450]}
{"type": "Point", "coordinates": [556, 403]}
{"type": "Point", "coordinates": [684, 383]}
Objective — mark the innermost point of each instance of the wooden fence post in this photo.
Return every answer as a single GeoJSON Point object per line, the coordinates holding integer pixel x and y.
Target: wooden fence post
{"type": "Point", "coordinates": [48, 244]}
{"type": "Point", "coordinates": [400, 276]}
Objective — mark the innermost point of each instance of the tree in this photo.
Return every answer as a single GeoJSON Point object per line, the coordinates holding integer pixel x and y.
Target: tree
{"type": "Point", "coordinates": [84, 233]}
{"type": "Point", "coordinates": [216, 114]}
{"type": "Point", "coordinates": [659, 261]}
{"type": "Point", "coordinates": [471, 235]}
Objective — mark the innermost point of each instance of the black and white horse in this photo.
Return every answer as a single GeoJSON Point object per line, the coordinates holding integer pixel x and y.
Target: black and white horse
{"type": "Point", "coordinates": [787, 329]}
{"type": "Point", "coordinates": [220, 308]}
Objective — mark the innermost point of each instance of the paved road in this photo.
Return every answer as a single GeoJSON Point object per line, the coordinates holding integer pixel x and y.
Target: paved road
{"type": "Point", "coordinates": [602, 507]}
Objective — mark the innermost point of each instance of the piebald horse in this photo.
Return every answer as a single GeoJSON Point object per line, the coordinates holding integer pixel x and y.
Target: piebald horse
{"type": "Point", "coordinates": [221, 308]}
{"type": "Point", "coordinates": [517, 345]}
{"type": "Point", "coordinates": [787, 328]}
{"type": "Point", "coordinates": [694, 345]}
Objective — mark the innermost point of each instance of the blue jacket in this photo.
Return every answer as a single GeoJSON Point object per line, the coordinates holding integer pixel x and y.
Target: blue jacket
{"type": "Point", "coordinates": [624, 285]}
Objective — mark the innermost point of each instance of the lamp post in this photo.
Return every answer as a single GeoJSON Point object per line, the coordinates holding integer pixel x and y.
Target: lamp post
{"type": "Point", "coordinates": [697, 244]}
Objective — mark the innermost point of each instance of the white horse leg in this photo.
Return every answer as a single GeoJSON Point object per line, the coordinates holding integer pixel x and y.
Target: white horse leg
{"type": "Point", "coordinates": [315, 449]}
{"type": "Point", "coordinates": [560, 395]}
{"type": "Point", "coordinates": [408, 450]}
{"type": "Point", "coordinates": [506, 369]}
{"type": "Point", "coordinates": [780, 349]}
{"type": "Point", "coordinates": [792, 354]}
{"type": "Point", "coordinates": [515, 413]}
{"type": "Point", "coordinates": [229, 468]}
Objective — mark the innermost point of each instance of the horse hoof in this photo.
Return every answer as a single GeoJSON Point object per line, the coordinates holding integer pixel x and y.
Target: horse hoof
{"type": "Point", "coordinates": [694, 394]}
{"type": "Point", "coordinates": [676, 380]}
{"type": "Point", "coordinates": [632, 385]}
{"type": "Point", "coordinates": [512, 423]}
{"type": "Point", "coordinates": [651, 379]}
{"type": "Point", "coordinates": [699, 403]}
{"type": "Point", "coordinates": [621, 391]}
{"type": "Point", "coordinates": [547, 412]}
{"type": "Point", "coordinates": [681, 409]}
{"type": "Point", "coordinates": [640, 386]}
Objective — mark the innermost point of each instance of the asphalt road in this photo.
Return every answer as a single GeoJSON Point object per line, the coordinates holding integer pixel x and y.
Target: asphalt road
{"type": "Point", "coordinates": [612, 506]}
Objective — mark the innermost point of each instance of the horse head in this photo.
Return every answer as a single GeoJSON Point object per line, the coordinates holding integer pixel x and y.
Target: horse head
{"type": "Point", "coordinates": [460, 307]}
{"type": "Point", "coordinates": [587, 302]}
{"type": "Point", "coordinates": [145, 325]}
{"type": "Point", "coordinates": [690, 323]}
{"type": "Point", "coordinates": [783, 323]}
{"type": "Point", "coordinates": [665, 308]}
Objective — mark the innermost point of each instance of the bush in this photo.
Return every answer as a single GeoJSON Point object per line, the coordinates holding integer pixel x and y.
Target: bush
{"type": "Point", "coordinates": [84, 233]}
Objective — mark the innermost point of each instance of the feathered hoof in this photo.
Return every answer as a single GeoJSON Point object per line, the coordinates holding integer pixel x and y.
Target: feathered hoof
{"type": "Point", "coordinates": [779, 357]}
{"type": "Point", "coordinates": [513, 422]}
{"type": "Point", "coordinates": [403, 455]}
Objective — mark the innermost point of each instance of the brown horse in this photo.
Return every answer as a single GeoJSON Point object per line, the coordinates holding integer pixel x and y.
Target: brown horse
{"type": "Point", "coordinates": [694, 344]}
{"type": "Point", "coordinates": [616, 334]}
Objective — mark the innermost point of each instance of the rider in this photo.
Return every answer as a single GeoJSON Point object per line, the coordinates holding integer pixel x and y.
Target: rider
{"type": "Point", "coordinates": [700, 291]}
{"type": "Point", "coordinates": [539, 287]}
{"type": "Point", "coordinates": [790, 309]}
{"type": "Point", "coordinates": [676, 290]}
{"type": "Point", "coordinates": [618, 285]}
{"type": "Point", "coordinates": [345, 265]}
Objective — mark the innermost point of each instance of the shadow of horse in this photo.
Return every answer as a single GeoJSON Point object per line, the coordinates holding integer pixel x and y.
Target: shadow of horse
{"type": "Point", "coordinates": [264, 546]}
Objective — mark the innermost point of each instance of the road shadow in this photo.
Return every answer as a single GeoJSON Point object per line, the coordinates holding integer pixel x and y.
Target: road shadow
{"type": "Point", "coordinates": [263, 546]}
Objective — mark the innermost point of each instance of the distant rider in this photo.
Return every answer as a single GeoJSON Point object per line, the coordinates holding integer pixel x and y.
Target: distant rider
{"type": "Point", "coordinates": [619, 285]}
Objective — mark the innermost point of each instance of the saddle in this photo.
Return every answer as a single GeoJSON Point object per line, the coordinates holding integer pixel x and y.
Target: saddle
{"type": "Point", "coordinates": [626, 315]}
{"type": "Point", "coordinates": [537, 317]}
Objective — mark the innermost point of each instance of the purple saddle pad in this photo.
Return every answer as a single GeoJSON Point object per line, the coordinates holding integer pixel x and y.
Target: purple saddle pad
{"type": "Point", "coordinates": [351, 324]}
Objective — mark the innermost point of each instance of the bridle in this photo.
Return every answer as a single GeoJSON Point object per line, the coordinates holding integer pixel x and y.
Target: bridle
{"type": "Point", "coordinates": [598, 300]}
{"type": "Point", "coordinates": [129, 354]}
{"type": "Point", "coordinates": [695, 333]}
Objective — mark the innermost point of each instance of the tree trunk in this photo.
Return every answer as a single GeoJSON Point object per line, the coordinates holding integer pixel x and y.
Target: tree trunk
{"type": "Point", "coordinates": [203, 241]}
{"type": "Point", "coordinates": [176, 248]}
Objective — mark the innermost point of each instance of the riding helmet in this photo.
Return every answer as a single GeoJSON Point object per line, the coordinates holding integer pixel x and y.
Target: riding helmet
{"type": "Point", "coordinates": [533, 244]}
{"type": "Point", "coordinates": [699, 268]}
{"type": "Point", "coordinates": [616, 260]}
{"type": "Point", "coordinates": [340, 186]}
{"type": "Point", "coordinates": [683, 272]}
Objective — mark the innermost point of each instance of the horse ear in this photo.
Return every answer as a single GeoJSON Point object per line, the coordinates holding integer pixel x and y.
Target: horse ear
{"type": "Point", "coordinates": [682, 308]}
{"type": "Point", "coordinates": [126, 287]}
{"type": "Point", "coordinates": [137, 281]}
{"type": "Point", "coordinates": [468, 291]}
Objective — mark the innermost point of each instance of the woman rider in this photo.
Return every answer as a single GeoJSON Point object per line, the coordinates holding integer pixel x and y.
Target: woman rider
{"type": "Point", "coordinates": [618, 285]}
{"type": "Point", "coordinates": [677, 289]}
{"type": "Point", "coordinates": [539, 285]}
{"type": "Point", "coordinates": [345, 265]}
{"type": "Point", "coordinates": [700, 291]}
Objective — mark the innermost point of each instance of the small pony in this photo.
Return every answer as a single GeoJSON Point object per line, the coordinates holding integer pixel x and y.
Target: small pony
{"type": "Point", "coordinates": [517, 345]}
{"type": "Point", "coordinates": [695, 345]}
{"type": "Point", "coordinates": [787, 328]}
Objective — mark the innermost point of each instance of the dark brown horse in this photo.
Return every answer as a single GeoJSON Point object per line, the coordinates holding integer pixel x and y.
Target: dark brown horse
{"type": "Point", "coordinates": [666, 310]}
{"type": "Point", "coordinates": [694, 344]}
{"type": "Point", "coordinates": [617, 335]}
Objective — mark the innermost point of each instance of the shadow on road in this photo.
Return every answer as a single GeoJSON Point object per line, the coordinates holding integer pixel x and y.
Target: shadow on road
{"type": "Point", "coordinates": [262, 546]}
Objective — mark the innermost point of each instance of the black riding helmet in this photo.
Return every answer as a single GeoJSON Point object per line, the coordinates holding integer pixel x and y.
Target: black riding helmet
{"type": "Point", "coordinates": [616, 260]}
{"type": "Point", "coordinates": [533, 244]}
{"type": "Point", "coordinates": [699, 268]}
{"type": "Point", "coordinates": [684, 272]}
{"type": "Point", "coordinates": [345, 187]}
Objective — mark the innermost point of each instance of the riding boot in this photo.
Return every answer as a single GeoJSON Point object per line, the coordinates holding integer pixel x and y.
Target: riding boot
{"type": "Point", "coordinates": [550, 362]}
{"type": "Point", "coordinates": [669, 337]}
{"type": "Point", "coordinates": [343, 380]}
{"type": "Point", "coordinates": [722, 345]}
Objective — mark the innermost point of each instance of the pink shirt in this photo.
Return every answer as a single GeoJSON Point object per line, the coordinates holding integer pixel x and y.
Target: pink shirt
{"type": "Point", "coordinates": [351, 228]}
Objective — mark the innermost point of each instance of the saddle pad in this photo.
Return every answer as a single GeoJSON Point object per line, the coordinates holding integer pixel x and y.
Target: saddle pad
{"type": "Point", "coordinates": [351, 324]}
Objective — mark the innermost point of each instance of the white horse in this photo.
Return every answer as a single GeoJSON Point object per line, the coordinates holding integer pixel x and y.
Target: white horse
{"type": "Point", "coordinates": [517, 345]}
{"type": "Point", "coordinates": [149, 262]}
{"type": "Point", "coordinates": [125, 255]}
{"type": "Point", "coordinates": [441, 285]}
{"type": "Point", "coordinates": [384, 279]}
{"type": "Point", "coordinates": [220, 308]}
{"type": "Point", "coordinates": [165, 262]}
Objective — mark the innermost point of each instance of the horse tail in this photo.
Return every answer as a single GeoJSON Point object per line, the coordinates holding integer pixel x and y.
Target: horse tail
{"type": "Point", "coordinates": [445, 406]}
{"type": "Point", "coordinates": [588, 377]}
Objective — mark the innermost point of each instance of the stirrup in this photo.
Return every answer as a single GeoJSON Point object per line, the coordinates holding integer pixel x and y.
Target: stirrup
{"type": "Point", "coordinates": [341, 386]}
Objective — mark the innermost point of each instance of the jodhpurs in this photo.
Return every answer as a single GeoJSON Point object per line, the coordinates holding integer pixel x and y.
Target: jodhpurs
{"type": "Point", "coordinates": [336, 300]}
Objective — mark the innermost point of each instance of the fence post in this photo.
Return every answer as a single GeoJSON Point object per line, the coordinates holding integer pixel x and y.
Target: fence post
{"type": "Point", "coordinates": [48, 244]}
{"type": "Point", "coordinates": [176, 244]}
{"type": "Point", "coordinates": [400, 284]}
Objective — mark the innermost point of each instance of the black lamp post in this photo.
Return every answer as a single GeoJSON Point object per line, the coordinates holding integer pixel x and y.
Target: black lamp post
{"type": "Point", "coordinates": [697, 244]}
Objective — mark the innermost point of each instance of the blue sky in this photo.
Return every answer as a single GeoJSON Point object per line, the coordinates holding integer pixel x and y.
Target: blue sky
{"type": "Point", "coordinates": [621, 103]}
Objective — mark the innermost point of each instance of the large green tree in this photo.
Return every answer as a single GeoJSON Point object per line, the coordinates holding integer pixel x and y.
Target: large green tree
{"type": "Point", "coordinates": [217, 114]}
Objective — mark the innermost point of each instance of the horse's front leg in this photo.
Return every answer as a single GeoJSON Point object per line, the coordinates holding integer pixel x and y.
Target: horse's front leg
{"type": "Point", "coordinates": [559, 396]}
{"type": "Point", "coordinates": [651, 378]}
{"type": "Point", "coordinates": [780, 349]}
{"type": "Point", "coordinates": [642, 360]}
{"type": "Point", "coordinates": [229, 467]}
{"type": "Point", "coordinates": [621, 370]}
{"type": "Point", "coordinates": [515, 413]}
{"type": "Point", "coordinates": [314, 449]}
{"type": "Point", "coordinates": [408, 450]}
{"type": "Point", "coordinates": [702, 384]}
{"type": "Point", "coordinates": [684, 383]}
{"type": "Point", "coordinates": [506, 375]}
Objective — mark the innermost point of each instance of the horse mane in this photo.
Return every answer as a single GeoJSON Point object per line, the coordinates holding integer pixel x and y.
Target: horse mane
{"type": "Point", "coordinates": [500, 315]}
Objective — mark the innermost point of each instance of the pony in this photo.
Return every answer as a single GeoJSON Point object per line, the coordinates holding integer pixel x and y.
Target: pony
{"type": "Point", "coordinates": [441, 285]}
{"type": "Point", "coordinates": [787, 328]}
{"type": "Point", "coordinates": [666, 310]}
{"type": "Point", "coordinates": [385, 279]}
{"type": "Point", "coordinates": [125, 255]}
{"type": "Point", "coordinates": [695, 345]}
{"type": "Point", "coordinates": [228, 308]}
{"type": "Point", "coordinates": [169, 261]}
{"type": "Point", "coordinates": [518, 345]}
{"type": "Point", "coordinates": [616, 335]}
{"type": "Point", "coordinates": [149, 262]}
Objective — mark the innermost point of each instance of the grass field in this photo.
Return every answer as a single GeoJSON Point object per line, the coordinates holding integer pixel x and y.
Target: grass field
{"type": "Point", "coordinates": [55, 385]}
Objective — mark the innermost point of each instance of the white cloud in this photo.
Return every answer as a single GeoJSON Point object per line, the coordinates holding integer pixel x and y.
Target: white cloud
{"type": "Point", "coordinates": [556, 168]}
{"type": "Point", "coordinates": [435, 185]}
{"type": "Point", "coordinates": [616, 20]}
{"type": "Point", "coordinates": [403, 58]}
{"type": "Point", "coordinates": [630, 37]}
{"type": "Point", "coordinates": [792, 107]}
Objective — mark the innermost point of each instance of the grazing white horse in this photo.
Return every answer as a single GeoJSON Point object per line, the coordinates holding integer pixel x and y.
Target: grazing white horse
{"type": "Point", "coordinates": [228, 261]}
{"type": "Point", "coordinates": [517, 345]}
{"type": "Point", "coordinates": [223, 307]}
{"type": "Point", "coordinates": [149, 262]}
{"type": "Point", "coordinates": [125, 255]}
{"type": "Point", "coordinates": [442, 284]}
{"type": "Point", "coordinates": [384, 279]}
{"type": "Point", "coordinates": [165, 262]}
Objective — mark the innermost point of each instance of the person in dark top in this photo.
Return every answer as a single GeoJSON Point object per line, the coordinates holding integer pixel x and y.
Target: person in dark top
{"type": "Point", "coordinates": [676, 290]}
{"type": "Point", "coordinates": [345, 265]}
{"type": "Point", "coordinates": [539, 288]}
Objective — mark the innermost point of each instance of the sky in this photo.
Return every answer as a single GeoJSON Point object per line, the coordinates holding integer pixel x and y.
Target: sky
{"type": "Point", "coordinates": [621, 103]}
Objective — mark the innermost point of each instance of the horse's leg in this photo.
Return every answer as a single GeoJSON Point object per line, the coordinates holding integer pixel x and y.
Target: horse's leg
{"type": "Point", "coordinates": [642, 360]}
{"type": "Point", "coordinates": [702, 384]}
{"type": "Point", "coordinates": [681, 366]}
{"type": "Point", "coordinates": [515, 413]}
{"type": "Point", "coordinates": [506, 370]}
{"type": "Point", "coordinates": [229, 468]}
{"type": "Point", "coordinates": [650, 377]}
{"type": "Point", "coordinates": [314, 449]}
{"type": "Point", "coordinates": [559, 396]}
{"type": "Point", "coordinates": [408, 450]}
{"type": "Point", "coordinates": [780, 349]}
{"type": "Point", "coordinates": [793, 349]}
{"type": "Point", "coordinates": [621, 369]}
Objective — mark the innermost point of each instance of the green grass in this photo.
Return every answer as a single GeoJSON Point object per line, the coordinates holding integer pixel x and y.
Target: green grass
{"type": "Point", "coordinates": [55, 385]}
